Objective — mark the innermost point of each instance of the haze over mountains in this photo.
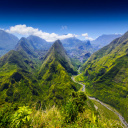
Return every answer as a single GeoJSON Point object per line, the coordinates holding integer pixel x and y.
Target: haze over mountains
{"type": "Point", "coordinates": [75, 48]}
{"type": "Point", "coordinates": [104, 40]}
{"type": "Point", "coordinates": [78, 49]}
{"type": "Point", "coordinates": [38, 74]}
{"type": "Point", "coordinates": [107, 72]}
{"type": "Point", "coordinates": [7, 42]}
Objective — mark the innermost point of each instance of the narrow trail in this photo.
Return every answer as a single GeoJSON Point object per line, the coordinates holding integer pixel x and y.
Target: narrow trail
{"type": "Point", "coordinates": [105, 105]}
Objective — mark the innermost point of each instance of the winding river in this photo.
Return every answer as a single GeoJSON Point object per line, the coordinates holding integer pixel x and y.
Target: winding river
{"type": "Point", "coordinates": [93, 98]}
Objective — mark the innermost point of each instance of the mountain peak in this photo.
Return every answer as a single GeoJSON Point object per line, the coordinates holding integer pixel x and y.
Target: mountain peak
{"type": "Point", "coordinates": [33, 37]}
{"type": "Point", "coordinates": [58, 47]}
{"type": "Point", "coordinates": [56, 50]}
{"type": "Point", "coordinates": [58, 54]}
{"type": "Point", "coordinates": [57, 43]}
{"type": "Point", "coordinates": [25, 46]}
{"type": "Point", "coordinates": [38, 43]}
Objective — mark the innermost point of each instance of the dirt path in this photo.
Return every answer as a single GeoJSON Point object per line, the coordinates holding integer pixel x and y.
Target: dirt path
{"type": "Point", "coordinates": [93, 98]}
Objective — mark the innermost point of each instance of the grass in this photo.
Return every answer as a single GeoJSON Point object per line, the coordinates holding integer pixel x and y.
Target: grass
{"type": "Point", "coordinates": [52, 118]}
{"type": "Point", "coordinates": [104, 112]}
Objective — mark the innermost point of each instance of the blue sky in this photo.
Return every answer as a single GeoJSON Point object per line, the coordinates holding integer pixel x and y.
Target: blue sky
{"type": "Point", "coordinates": [93, 17]}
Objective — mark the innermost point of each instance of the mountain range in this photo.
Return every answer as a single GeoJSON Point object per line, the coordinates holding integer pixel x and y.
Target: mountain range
{"type": "Point", "coordinates": [77, 49]}
{"type": "Point", "coordinates": [38, 74]}
{"type": "Point", "coordinates": [106, 74]}
{"type": "Point", "coordinates": [103, 40]}
{"type": "Point", "coordinates": [7, 42]}
{"type": "Point", "coordinates": [24, 77]}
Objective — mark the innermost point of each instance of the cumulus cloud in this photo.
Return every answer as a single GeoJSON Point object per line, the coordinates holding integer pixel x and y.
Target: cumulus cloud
{"type": "Point", "coordinates": [85, 34]}
{"type": "Point", "coordinates": [87, 37]}
{"type": "Point", "coordinates": [26, 31]}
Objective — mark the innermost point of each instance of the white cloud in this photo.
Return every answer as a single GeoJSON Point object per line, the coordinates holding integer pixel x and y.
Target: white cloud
{"type": "Point", "coordinates": [23, 30]}
{"type": "Point", "coordinates": [118, 34]}
{"type": "Point", "coordinates": [85, 34]}
{"type": "Point", "coordinates": [87, 37]}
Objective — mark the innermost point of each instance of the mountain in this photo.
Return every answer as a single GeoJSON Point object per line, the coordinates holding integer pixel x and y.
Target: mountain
{"type": "Point", "coordinates": [23, 77]}
{"type": "Point", "coordinates": [36, 93]}
{"type": "Point", "coordinates": [34, 45]}
{"type": "Point", "coordinates": [40, 46]}
{"type": "Point", "coordinates": [104, 40]}
{"type": "Point", "coordinates": [71, 42]}
{"type": "Point", "coordinates": [25, 46]}
{"type": "Point", "coordinates": [58, 53]}
{"type": "Point", "coordinates": [54, 74]}
{"type": "Point", "coordinates": [7, 42]}
{"type": "Point", "coordinates": [39, 43]}
{"type": "Point", "coordinates": [106, 73]}
{"type": "Point", "coordinates": [77, 49]}
{"type": "Point", "coordinates": [18, 75]}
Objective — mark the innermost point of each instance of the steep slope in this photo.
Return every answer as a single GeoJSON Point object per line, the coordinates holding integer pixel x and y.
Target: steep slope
{"type": "Point", "coordinates": [25, 46]}
{"type": "Point", "coordinates": [7, 42]}
{"type": "Point", "coordinates": [39, 43]}
{"type": "Point", "coordinates": [58, 53]}
{"type": "Point", "coordinates": [18, 71]}
{"type": "Point", "coordinates": [40, 46]}
{"type": "Point", "coordinates": [107, 74]}
{"type": "Point", "coordinates": [54, 75]}
{"type": "Point", "coordinates": [19, 76]}
{"type": "Point", "coordinates": [104, 40]}
{"type": "Point", "coordinates": [77, 49]}
{"type": "Point", "coordinates": [19, 86]}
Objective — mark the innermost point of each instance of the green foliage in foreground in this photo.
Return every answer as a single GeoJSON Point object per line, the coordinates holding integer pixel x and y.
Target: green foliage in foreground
{"type": "Point", "coordinates": [76, 114]}
{"type": "Point", "coordinates": [21, 117]}
{"type": "Point", "coordinates": [75, 105]}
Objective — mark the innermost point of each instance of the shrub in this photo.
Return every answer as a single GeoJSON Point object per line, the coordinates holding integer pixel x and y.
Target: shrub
{"type": "Point", "coordinates": [5, 114]}
{"type": "Point", "coordinates": [21, 117]}
{"type": "Point", "coordinates": [74, 106]}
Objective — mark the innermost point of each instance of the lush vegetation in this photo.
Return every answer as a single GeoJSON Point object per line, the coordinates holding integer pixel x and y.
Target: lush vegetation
{"type": "Point", "coordinates": [36, 93]}
{"type": "Point", "coordinates": [54, 75]}
{"type": "Point", "coordinates": [77, 112]}
{"type": "Point", "coordinates": [105, 74]}
{"type": "Point", "coordinates": [24, 80]}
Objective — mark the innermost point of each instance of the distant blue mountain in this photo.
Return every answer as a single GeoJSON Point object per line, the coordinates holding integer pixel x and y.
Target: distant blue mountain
{"type": "Point", "coordinates": [104, 40]}
{"type": "Point", "coordinates": [78, 49]}
{"type": "Point", "coordinates": [39, 43]}
{"type": "Point", "coordinates": [7, 42]}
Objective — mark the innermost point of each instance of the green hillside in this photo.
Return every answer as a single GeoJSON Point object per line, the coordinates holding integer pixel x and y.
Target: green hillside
{"type": "Point", "coordinates": [57, 53]}
{"type": "Point", "coordinates": [106, 74]}
{"type": "Point", "coordinates": [18, 82]}
{"type": "Point", "coordinates": [22, 78]}
{"type": "Point", "coordinates": [36, 93]}
{"type": "Point", "coordinates": [54, 74]}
